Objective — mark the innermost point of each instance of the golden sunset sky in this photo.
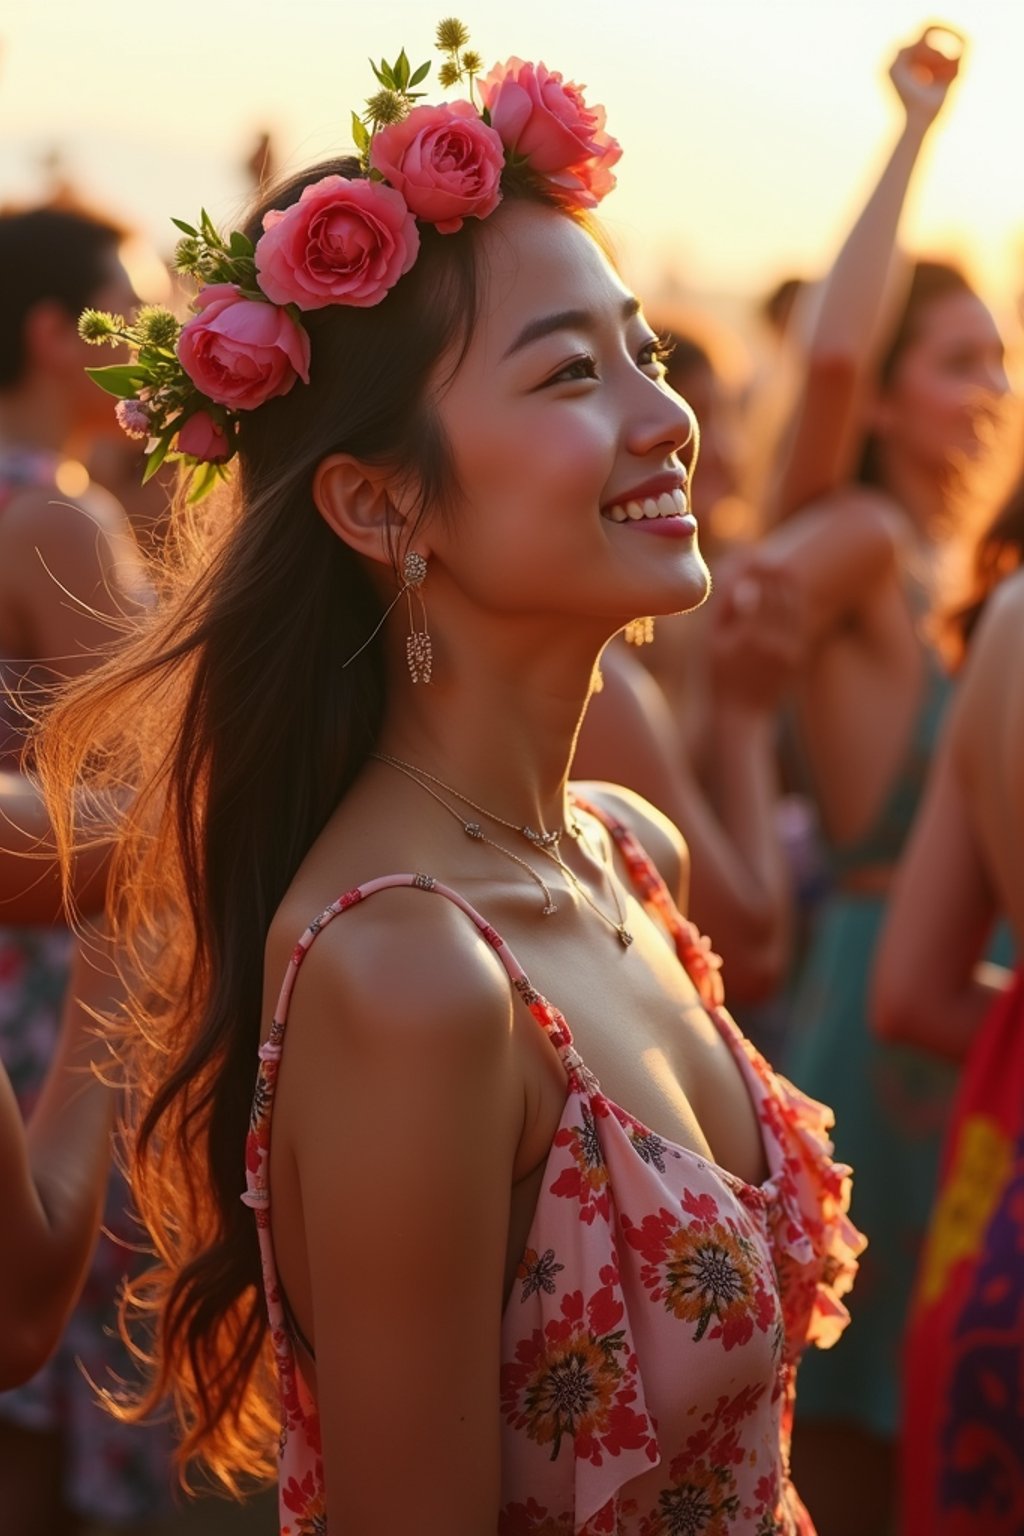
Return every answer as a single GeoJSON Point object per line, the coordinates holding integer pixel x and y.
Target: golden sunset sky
{"type": "Point", "coordinates": [750, 128]}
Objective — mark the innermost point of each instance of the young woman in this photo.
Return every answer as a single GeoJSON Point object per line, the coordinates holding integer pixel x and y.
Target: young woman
{"type": "Point", "coordinates": [500, 1295]}
{"type": "Point", "coordinates": [961, 1456]}
{"type": "Point", "coordinates": [898, 414]}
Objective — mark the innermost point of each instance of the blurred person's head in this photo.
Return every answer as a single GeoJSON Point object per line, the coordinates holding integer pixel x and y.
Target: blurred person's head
{"type": "Point", "coordinates": [936, 408]}
{"type": "Point", "coordinates": [705, 367]}
{"type": "Point", "coordinates": [776, 307]}
{"type": "Point", "coordinates": [55, 261]}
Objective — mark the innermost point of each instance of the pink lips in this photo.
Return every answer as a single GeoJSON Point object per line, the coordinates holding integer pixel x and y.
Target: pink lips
{"type": "Point", "coordinates": [682, 527]}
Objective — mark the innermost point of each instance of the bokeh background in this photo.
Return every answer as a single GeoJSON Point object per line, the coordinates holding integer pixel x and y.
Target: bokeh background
{"type": "Point", "coordinates": [750, 129]}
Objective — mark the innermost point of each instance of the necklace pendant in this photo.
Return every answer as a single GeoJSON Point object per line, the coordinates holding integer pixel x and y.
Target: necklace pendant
{"type": "Point", "coordinates": [548, 839]}
{"type": "Point", "coordinates": [549, 909]}
{"type": "Point", "coordinates": [472, 829]}
{"type": "Point", "coordinates": [625, 937]}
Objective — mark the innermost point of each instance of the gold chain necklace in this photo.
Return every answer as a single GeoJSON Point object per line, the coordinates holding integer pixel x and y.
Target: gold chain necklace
{"type": "Point", "coordinates": [544, 842]}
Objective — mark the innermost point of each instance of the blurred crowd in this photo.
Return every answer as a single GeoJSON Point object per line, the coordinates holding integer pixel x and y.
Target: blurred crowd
{"type": "Point", "coordinates": [838, 732]}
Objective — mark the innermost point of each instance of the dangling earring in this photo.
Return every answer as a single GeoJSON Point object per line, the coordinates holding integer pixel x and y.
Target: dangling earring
{"type": "Point", "coordinates": [419, 651]}
{"type": "Point", "coordinates": [639, 632]}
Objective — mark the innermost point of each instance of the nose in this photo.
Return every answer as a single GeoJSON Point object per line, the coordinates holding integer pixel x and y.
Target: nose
{"type": "Point", "coordinates": [661, 421]}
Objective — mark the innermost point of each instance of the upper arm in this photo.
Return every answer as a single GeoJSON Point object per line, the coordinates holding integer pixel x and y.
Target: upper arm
{"type": "Point", "coordinates": [410, 1111]}
{"type": "Point", "coordinates": [71, 574]}
{"type": "Point", "coordinates": [940, 910]}
{"type": "Point", "coordinates": [818, 448]}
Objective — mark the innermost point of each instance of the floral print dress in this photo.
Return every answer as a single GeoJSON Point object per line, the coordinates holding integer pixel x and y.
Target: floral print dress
{"type": "Point", "coordinates": [650, 1343]}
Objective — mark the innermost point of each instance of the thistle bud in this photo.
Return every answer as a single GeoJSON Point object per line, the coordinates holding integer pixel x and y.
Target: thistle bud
{"type": "Point", "coordinates": [188, 256]}
{"type": "Point", "coordinates": [449, 74]}
{"type": "Point", "coordinates": [451, 35]}
{"type": "Point", "coordinates": [97, 326]}
{"type": "Point", "coordinates": [472, 63]}
{"type": "Point", "coordinates": [386, 107]}
{"type": "Point", "coordinates": [157, 326]}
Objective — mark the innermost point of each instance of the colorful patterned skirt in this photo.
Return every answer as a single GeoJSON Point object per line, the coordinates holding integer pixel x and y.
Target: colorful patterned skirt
{"type": "Point", "coordinates": [963, 1431]}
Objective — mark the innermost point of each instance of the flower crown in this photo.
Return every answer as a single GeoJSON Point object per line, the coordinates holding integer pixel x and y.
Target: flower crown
{"type": "Point", "coordinates": [343, 242]}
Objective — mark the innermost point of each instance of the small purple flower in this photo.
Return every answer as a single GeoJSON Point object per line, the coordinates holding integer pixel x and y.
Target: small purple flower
{"type": "Point", "coordinates": [132, 418]}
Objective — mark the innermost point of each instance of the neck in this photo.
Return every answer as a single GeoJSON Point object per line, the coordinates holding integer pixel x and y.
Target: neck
{"type": "Point", "coordinates": [923, 495]}
{"type": "Point", "coordinates": [497, 727]}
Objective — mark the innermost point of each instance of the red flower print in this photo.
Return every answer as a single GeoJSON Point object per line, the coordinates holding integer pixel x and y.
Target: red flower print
{"type": "Point", "coordinates": [532, 1519]}
{"type": "Point", "coordinates": [702, 1502]}
{"type": "Point", "coordinates": [587, 1181]}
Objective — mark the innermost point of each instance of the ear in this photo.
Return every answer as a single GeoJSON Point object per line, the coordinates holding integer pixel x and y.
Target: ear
{"type": "Point", "coordinates": [354, 501]}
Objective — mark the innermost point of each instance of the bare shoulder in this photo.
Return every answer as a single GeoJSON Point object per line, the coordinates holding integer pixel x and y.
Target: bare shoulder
{"type": "Point", "coordinates": [857, 516]}
{"type": "Point", "coordinates": [990, 694]}
{"type": "Point", "coordinates": [659, 837]}
{"type": "Point", "coordinates": [404, 970]}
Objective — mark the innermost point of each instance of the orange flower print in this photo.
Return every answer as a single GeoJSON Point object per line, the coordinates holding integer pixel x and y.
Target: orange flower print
{"type": "Point", "coordinates": [585, 1181]}
{"type": "Point", "coordinates": [707, 1272]}
{"type": "Point", "coordinates": [703, 1503]}
{"type": "Point", "coordinates": [576, 1381]}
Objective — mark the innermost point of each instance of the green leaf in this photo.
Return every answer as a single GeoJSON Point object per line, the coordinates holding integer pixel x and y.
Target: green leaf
{"type": "Point", "coordinates": [209, 229]}
{"type": "Point", "coordinates": [400, 70]}
{"type": "Point", "coordinates": [121, 379]}
{"type": "Point", "coordinates": [421, 74]}
{"type": "Point", "coordinates": [156, 458]}
{"type": "Point", "coordinates": [360, 136]}
{"type": "Point", "coordinates": [186, 229]}
{"type": "Point", "coordinates": [240, 245]}
{"type": "Point", "coordinates": [203, 484]}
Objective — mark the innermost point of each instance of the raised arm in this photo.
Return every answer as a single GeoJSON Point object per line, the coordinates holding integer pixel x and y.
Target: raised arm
{"type": "Point", "coordinates": [857, 307]}
{"type": "Point", "coordinates": [53, 1174]}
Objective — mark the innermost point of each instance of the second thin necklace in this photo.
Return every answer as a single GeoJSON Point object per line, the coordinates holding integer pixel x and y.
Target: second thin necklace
{"type": "Point", "coordinates": [543, 842]}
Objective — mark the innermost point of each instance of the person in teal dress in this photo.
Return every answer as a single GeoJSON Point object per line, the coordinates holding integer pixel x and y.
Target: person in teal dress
{"type": "Point", "coordinates": [903, 389]}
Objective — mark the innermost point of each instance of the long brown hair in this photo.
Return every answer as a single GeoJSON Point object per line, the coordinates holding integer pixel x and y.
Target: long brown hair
{"type": "Point", "coordinates": [999, 552]}
{"type": "Point", "coordinates": [229, 720]}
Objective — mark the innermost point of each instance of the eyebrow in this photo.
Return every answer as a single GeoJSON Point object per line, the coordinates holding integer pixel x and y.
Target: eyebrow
{"type": "Point", "coordinates": [564, 320]}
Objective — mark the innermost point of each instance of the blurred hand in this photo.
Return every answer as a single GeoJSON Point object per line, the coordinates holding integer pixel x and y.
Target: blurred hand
{"type": "Point", "coordinates": [922, 74]}
{"type": "Point", "coordinates": [756, 638]}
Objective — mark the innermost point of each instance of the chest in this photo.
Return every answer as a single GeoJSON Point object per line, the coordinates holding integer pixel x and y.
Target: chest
{"type": "Point", "coordinates": [641, 1029]}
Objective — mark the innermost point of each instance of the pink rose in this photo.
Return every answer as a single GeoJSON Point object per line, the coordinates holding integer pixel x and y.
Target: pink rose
{"type": "Point", "coordinates": [241, 351]}
{"type": "Point", "coordinates": [201, 438]}
{"type": "Point", "coordinates": [445, 161]}
{"type": "Point", "coordinates": [544, 120]}
{"type": "Point", "coordinates": [343, 242]}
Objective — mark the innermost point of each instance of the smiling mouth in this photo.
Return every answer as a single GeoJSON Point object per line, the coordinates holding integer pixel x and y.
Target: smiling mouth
{"type": "Point", "coordinates": [668, 504]}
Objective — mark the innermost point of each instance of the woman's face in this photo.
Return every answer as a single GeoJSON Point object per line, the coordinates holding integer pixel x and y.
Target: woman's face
{"type": "Point", "coordinates": [566, 441]}
{"type": "Point", "coordinates": [943, 401]}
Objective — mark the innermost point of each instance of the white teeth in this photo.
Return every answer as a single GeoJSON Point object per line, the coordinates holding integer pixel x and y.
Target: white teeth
{"type": "Point", "coordinates": [668, 504]}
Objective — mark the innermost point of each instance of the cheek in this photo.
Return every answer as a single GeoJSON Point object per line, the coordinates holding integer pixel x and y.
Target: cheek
{"type": "Point", "coordinates": [535, 458]}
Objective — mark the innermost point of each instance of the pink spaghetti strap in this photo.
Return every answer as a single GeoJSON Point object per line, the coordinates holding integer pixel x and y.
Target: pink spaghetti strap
{"type": "Point", "coordinates": [551, 1020]}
